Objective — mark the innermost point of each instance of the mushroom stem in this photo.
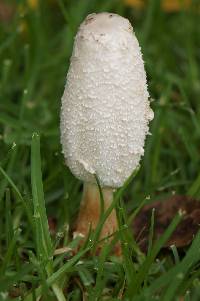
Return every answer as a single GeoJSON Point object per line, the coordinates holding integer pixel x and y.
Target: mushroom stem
{"type": "Point", "coordinates": [90, 211]}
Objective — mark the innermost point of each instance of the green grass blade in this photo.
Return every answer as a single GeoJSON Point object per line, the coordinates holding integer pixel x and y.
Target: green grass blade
{"type": "Point", "coordinates": [151, 231]}
{"type": "Point", "coordinates": [143, 272]}
{"type": "Point", "coordinates": [188, 261]}
{"type": "Point", "coordinates": [10, 251]}
{"type": "Point", "coordinates": [59, 273]}
{"type": "Point", "coordinates": [41, 222]}
{"type": "Point", "coordinates": [195, 188]}
{"type": "Point", "coordinates": [127, 244]}
{"type": "Point", "coordinates": [18, 194]}
{"type": "Point", "coordinates": [9, 225]}
{"type": "Point", "coordinates": [101, 197]}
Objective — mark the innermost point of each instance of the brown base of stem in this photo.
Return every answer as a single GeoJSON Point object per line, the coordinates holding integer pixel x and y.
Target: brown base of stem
{"type": "Point", "coordinates": [90, 211]}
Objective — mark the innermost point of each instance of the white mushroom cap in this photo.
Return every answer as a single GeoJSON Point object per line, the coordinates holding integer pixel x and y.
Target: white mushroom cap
{"type": "Point", "coordinates": [105, 108]}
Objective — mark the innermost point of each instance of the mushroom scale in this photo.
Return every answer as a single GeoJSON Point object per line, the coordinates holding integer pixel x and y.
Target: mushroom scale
{"type": "Point", "coordinates": [105, 107]}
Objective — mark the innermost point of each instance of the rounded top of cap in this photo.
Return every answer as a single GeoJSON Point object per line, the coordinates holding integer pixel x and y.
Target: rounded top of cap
{"type": "Point", "coordinates": [105, 23]}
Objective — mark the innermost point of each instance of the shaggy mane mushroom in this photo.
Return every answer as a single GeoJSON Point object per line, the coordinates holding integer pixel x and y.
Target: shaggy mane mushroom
{"type": "Point", "coordinates": [105, 113]}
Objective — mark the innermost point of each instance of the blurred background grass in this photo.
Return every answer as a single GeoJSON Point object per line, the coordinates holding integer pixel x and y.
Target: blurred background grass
{"type": "Point", "coordinates": [36, 39]}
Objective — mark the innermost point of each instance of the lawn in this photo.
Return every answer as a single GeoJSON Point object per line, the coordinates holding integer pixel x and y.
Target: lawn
{"type": "Point", "coordinates": [38, 262]}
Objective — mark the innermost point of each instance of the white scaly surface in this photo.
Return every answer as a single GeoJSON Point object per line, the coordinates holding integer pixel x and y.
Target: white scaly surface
{"type": "Point", "coordinates": [105, 107]}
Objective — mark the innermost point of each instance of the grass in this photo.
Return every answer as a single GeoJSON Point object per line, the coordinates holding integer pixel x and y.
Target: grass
{"type": "Point", "coordinates": [35, 48]}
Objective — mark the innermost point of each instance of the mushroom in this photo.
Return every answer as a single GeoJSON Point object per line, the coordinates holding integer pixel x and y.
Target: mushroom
{"type": "Point", "coordinates": [105, 113]}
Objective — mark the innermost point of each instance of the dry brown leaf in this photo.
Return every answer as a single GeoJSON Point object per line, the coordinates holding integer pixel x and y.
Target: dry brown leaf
{"type": "Point", "coordinates": [165, 211]}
